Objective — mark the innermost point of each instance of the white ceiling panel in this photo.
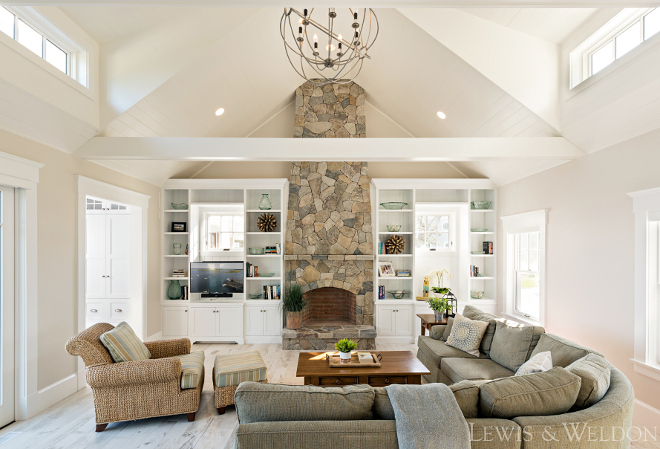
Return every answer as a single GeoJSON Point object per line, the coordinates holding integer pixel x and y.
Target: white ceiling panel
{"type": "Point", "coordinates": [154, 172]}
{"type": "Point", "coordinates": [549, 24]}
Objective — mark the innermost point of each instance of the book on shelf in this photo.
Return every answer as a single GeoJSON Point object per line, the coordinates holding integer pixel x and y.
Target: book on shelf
{"type": "Point", "coordinates": [252, 271]}
{"type": "Point", "coordinates": [488, 247]}
{"type": "Point", "coordinates": [474, 271]}
{"type": "Point", "coordinates": [381, 292]}
{"type": "Point", "coordinates": [272, 291]}
{"type": "Point", "coordinates": [179, 273]}
{"type": "Point", "coordinates": [271, 250]}
{"type": "Point", "coordinates": [184, 291]}
{"type": "Point", "coordinates": [278, 248]}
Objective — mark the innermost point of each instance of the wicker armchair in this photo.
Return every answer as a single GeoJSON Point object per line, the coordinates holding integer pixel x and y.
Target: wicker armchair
{"type": "Point", "coordinates": [134, 390]}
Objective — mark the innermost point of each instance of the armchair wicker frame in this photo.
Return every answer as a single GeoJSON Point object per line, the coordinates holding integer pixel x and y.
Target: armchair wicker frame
{"type": "Point", "coordinates": [135, 390]}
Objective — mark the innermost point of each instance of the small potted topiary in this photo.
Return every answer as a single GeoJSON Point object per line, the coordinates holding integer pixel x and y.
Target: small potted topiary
{"type": "Point", "coordinates": [345, 346]}
{"type": "Point", "coordinates": [439, 307]}
{"type": "Point", "coordinates": [293, 304]}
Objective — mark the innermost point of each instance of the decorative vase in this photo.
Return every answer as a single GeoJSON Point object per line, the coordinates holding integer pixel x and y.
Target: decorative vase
{"type": "Point", "coordinates": [344, 356]}
{"type": "Point", "coordinates": [438, 315]}
{"type": "Point", "coordinates": [294, 320]}
{"type": "Point", "coordinates": [174, 290]}
{"type": "Point", "coordinates": [177, 249]}
{"type": "Point", "coordinates": [265, 204]}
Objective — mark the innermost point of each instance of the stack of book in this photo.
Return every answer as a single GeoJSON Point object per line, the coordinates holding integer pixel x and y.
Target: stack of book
{"type": "Point", "coordinates": [381, 248]}
{"type": "Point", "coordinates": [272, 249]}
{"type": "Point", "coordinates": [178, 273]}
{"type": "Point", "coordinates": [381, 292]}
{"type": "Point", "coordinates": [184, 292]}
{"type": "Point", "coordinates": [474, 271]}
{"type": "Point", "coordinates": [488, 247]}
{"type": "Point", "coordinates": [251, 270]}
{"type": "Point", "coordinates": [272, 292]}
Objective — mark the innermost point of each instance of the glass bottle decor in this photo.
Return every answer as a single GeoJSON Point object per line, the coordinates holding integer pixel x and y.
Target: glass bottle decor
{"type": "Point", "coordinates": [174, 290]}
{"type": "Point", "coordinates": [265, 204]}
{"type": "Point", "coordinates": [177, 249]}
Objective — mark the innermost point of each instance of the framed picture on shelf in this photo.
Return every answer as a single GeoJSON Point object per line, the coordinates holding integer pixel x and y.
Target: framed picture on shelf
{"type": "Point", "coordinates": [403, 273]}
{"type": "Point", "coordinates": [386, 269]}
{"type": "Point", "coordinates": [179, 226]}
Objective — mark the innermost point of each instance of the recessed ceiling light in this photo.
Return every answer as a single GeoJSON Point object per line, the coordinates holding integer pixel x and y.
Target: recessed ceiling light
{"type": "Point", "coordinates": [442, 115]}
{"type": "Point", "coordinates": [220, 111]}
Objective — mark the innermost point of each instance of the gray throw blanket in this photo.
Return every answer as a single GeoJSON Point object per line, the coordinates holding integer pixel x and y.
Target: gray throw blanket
{"type": "Point", "coordinates": [428, 416]}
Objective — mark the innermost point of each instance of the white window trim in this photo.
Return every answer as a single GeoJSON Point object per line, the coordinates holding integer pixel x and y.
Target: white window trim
{"type": "Point", "coordinates": [206, 231]}
{"type": "Point", "coordinates": [512, 224]}
{"type": "Point", "coordinates": [425, 210]}
{"type": "Point", "coordinates": [222, 209]}
{"type": "Point", "coordinates": [646, 207]}
{"type": "Point", "coordinates": [580, 58]}
{"type": "Point", "coordinates": [78, 56]}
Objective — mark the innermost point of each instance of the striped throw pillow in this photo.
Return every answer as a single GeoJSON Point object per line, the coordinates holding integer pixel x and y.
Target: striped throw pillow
{"type": "Point", "coordinates": [124, 345]}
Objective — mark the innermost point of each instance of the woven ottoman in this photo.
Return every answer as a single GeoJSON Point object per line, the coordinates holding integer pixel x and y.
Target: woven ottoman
{"type": "Point", "coordinates": [229, 370]}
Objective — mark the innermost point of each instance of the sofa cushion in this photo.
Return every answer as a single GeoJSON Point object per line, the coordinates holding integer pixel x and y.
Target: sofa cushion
{"type": "Point", "coordinates": [123, 345]}
{"type": "Point", "coordinates": [437, 331]}
{"type": "Point", "coordinates": [192, 367]}
{"type": "Point", "coordinates": [259, 402]}
{"type": "Point", "coordinates": [466, 394]}
{"type": "Point", "coordinates": [549, 393]}
{"type": "Point", "coordinates": [437, 350]}
{"type": "Point", "coordinates": [539, 363]}
{"type": "Point", "coordinates": [447, 332]}
{"type": "Point", "coordinates": [564, 352]}
{"type": "Point", "coordinates": [466, 334]}
{"type": "Point", "coordinates": [594, 371]}
{"type": "Point", "coordinates": [511, 344]}
{"type": "Point", "coordinates": [494, 433]}
{"type": "Point", "coordinates": [475, 313]}
{"type": "Point", "coordinates": [473, 369]}
{"type": "Point", "coordinates": [231, 369]}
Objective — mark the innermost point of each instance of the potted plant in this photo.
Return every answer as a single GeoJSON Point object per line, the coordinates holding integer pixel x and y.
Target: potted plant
{"type": "Point", "coordinates": [345, 346]}
{"type": "Point", "coordinates": [439, 306]}
{"type": "Point", "coordinates": [293, 304]}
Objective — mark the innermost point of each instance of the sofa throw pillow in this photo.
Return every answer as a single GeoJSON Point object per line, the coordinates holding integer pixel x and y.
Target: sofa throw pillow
{"type": "Point", "coordinates": [594, 371]}
{"type": "Point", "coordinates": [123, 345]}
{"type": "Point", "coordinates": [552, 392]}
{"type": "Point", "coordinates": [537, 364]}
{"type": "Point", "coordinates": [511, 344]}
{"type": "Point", "coordinates": [466, 334]}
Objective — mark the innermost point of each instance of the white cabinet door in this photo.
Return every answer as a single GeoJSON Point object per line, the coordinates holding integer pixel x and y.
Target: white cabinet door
{"type": "Point", "coordinates": [118, 256]}
{"type": "Point", "coordinates": [203, 321]}
{"type": "Point", "coordinates": [230, 323]}
{"type": "Point", "coordinates": [254, 320]}
{"type": "Point", "coordinates": [272, 321]}
{"type": "Point", "coordinates": [403, 318]}
{"type": "Point", "coordinates": [175, 321]}
{"type": "Point", "coordinates": [386, 320]}
{"type": "Point", "coordinates": [95, 242]}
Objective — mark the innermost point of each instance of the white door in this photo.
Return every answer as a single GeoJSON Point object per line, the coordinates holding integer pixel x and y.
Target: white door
{"type": "Point", "coordinates": [175, 321]}
{"type": "Point", "coordinates": [254, 320]}
{"type": "Point", "coordinates": [118, 256]}
{"type": "Point", "coordinates": [386, 320]}
{"type": "Point", "coordinates": [6, 305]}
{"type": "Point", "coordinates": [95, 257]}
{"type": "Point", "coordinates": [203, 321]}
{"type": "Point", "coordinates": [403, 318]}
{"type": "Point", "coordinates": [230, 323]}
{"type": "Point", "coordinates": [272, 321]}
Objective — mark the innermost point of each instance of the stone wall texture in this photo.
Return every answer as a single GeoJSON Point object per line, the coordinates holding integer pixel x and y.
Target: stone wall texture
{"type": "Point", "coordinates": [330, 111]}
{"type": "Point", "coordinates": [329, 240]}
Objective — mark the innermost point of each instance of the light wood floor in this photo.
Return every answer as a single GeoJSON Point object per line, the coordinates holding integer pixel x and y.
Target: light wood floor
{"type": "Point", "coordinates": [70, 424]}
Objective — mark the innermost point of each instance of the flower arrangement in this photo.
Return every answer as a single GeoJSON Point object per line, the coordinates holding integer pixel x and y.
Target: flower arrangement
{"type": "Point", "coordinates": [440, 275]}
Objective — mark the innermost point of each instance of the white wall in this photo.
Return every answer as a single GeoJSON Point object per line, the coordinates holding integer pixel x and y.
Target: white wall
{"type": "Point", "coordinates": [590, 247]}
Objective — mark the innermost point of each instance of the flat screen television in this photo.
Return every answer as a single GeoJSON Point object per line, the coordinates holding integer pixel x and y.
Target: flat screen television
{"type": "Point", "coordinates": [216, 279]}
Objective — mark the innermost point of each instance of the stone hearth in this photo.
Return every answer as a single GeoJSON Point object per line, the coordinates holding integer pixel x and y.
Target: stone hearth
{"type": "Point", "coordinates": [322, 338]}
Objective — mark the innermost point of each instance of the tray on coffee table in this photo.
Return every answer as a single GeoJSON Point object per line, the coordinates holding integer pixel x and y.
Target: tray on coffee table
{"type": "Point", "coordinates": [335, 361]}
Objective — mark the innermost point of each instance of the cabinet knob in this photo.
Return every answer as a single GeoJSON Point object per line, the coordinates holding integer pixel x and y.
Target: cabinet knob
{"type": "Point", "coordinates": [387, 380]}
{"type": "Point", "coordinates": [186, 310]}
{"type": "Point", "coordinates": [338, 382]}
{"type": "Point", "coordinates": [118, 310]}
{"type": "Point", "coordinates": [93, 310]}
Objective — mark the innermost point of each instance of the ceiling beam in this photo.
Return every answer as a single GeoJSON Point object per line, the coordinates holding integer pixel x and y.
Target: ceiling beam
{"type": "Point", "coordinates": [372, 149]}
{"type": "Point", "coordinates": [351, 3]}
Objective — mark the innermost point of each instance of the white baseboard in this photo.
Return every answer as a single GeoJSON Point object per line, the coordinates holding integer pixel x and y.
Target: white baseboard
{"type": "Point", "coordinates": [395, 340]}
{"type": "Point", "coordinates": [51, 395]}
{"type": "Point", "coordinates": [645, 416]}
{"type": "Point", "coordinates": [263, 340]}
{"type": "Point", "coordinates": [156, 336]}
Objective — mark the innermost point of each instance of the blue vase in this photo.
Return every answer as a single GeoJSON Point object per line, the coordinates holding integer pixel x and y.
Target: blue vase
{"type": "Point", "coordinates": [174, 290]}
{"type": "Point", "coordinates": [265, 204]}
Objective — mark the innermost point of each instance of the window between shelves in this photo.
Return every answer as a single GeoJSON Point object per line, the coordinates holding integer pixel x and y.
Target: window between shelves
{"type": "Point", "coordinates": [435, 232]}
{"type": "Point", "coordinates": [224, 231]}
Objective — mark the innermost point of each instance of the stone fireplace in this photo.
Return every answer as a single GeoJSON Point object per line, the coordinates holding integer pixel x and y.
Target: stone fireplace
{"type": "Point", "coordinates": [329, 252]}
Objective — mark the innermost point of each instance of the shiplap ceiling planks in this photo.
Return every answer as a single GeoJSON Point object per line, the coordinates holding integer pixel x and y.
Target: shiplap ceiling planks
{"type": "Point", "coordinates": [549, 24]}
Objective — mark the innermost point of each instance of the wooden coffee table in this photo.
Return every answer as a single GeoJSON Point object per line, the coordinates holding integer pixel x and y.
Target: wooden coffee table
{"type": "Point", "coordinates": [397, 367]}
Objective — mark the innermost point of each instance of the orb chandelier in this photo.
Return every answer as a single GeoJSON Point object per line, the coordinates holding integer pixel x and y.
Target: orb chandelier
{"type": "Point", "coordinates": [318, 52]}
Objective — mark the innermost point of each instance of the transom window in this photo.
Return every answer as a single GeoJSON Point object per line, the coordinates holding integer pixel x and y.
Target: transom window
{"type": "Point", "coordinates": [434, 232]}
{"type": "Point", "coordinates": [26, 34]}
{"type": "Point", "coordinates": [526, 274]}
{"type": "Point", "coordinates": [619, 36]}
{"type": "Point", "coordinates": [224, 231]}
